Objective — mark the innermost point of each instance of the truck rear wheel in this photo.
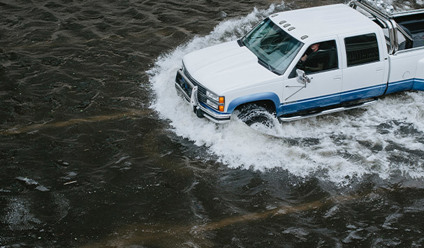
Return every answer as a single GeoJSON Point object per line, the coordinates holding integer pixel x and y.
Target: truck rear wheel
{"type": "Point", "coordinates": [255, 114]}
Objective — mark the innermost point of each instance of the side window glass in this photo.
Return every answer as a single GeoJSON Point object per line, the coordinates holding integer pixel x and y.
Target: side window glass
{"type": "Point", "coordinates": [362, 49]}
{"type": "Point", "coordinates": [319, 57]}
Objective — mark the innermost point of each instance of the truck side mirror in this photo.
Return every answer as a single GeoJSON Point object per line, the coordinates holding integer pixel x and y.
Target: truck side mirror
{"type": "Point", "coordinates": [302, 78]}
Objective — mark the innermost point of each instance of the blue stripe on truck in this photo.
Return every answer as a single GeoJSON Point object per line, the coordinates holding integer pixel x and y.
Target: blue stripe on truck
{"type": "Point", "coordinates": [333, 99]}
{"type": "Point", "coordinates": [400, 86]}
{"type": "Point", "coordinates": [328, 100]}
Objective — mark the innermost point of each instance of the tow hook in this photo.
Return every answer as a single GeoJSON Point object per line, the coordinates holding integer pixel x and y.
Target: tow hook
{"type": "Point", "coordinates": [199, 113]}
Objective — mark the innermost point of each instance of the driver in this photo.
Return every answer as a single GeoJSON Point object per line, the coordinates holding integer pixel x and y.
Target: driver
{"type": "Point", "coordinates": [313, 48]}
{"type": "Point", "coordinates": [307, 67]}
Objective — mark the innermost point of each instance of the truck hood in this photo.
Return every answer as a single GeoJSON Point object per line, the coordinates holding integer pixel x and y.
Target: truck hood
{"type": "Point", "coordinates": [225, 67]}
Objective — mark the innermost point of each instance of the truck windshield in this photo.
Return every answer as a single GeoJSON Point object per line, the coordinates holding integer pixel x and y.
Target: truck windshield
{"type": "Point", "coordinates": [274, 47]}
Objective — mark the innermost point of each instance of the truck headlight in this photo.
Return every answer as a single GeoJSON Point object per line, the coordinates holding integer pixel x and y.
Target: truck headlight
{"type": "Point", "coordinates": [214, 101]}
{"type": "Point", "coordinates": [212, 96]}
{"type": "Point", "coordinates": [212, 104]}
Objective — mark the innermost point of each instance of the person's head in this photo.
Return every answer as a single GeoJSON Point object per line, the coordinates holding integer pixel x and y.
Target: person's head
{"type": "Point", "coordinates": [315, 47]}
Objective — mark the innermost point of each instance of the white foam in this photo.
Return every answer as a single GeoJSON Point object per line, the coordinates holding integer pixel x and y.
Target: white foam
{"type": "Point", "coordinates": [335, 148]}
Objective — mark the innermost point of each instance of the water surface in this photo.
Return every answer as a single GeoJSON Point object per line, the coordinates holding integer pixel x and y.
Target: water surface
{"type": "Point", "coordinates": [97, 150]}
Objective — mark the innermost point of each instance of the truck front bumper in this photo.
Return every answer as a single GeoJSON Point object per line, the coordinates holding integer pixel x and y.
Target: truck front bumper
{"type": "Point", "coordinates": [189, 91]}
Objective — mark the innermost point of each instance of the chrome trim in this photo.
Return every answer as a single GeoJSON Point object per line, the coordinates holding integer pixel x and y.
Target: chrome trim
{"type": "Point", "coordinates": [211, 115]}
{"type": "Point", "coordinates": [181, 91]}
{"type": "Point", "coordinates": [186, 78]}
{"type": "Point", "coordinates": [402, 30]}
{"type": "Point", "coordinates": [384, 17]}
{"type": "Point", "coordinates": [217, 118]}
{"type": "Point", "coordinates": [324, 112]}
{"type": "Point", "coordinates": [177, 85]}
{"type": "Point", "coordinates": [387, 18]}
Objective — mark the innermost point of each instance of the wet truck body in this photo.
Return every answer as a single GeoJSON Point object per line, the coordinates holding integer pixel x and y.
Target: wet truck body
{"type": "Point", "coordinates": [307, 62]}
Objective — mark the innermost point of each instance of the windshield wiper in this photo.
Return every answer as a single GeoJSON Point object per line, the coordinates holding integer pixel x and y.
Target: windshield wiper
{"type": "Point", "coordinates": [268, 66]}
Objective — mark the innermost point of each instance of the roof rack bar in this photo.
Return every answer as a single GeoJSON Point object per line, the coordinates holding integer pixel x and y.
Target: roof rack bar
{"type": "Point", "coordinates": [371, 9]}
{"type": "Point", "coordinates": [384, 17]}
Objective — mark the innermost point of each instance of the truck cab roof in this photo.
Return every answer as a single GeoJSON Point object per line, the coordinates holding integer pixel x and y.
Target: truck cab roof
{"type": "Point", "coordinates": [322, 21]}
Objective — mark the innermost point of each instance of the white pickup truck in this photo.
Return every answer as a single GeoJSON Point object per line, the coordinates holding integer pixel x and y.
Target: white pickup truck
{"type": "Point", "coordinates": [307, 62]}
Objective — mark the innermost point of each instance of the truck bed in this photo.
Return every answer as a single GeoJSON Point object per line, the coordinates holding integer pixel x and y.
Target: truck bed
{"type": "Point", "coordinates": [414, 25]}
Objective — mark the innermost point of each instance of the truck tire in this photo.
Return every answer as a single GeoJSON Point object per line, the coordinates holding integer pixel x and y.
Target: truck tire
{"type": "Point", "coordinates": [255, 114]}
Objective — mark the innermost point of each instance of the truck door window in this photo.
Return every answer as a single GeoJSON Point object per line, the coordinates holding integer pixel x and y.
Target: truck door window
{"type": "Point", "coordinates": [321, 56]}
{"type": "Point", "coordinates": [362, 49]}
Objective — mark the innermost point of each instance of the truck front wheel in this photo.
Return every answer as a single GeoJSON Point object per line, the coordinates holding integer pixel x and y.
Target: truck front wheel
{"type": "Point", "coordinates": [255, 114]}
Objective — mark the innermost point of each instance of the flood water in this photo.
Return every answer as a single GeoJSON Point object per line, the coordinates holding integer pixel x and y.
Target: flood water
{"type": "Point", "coordinates": [97, 150]}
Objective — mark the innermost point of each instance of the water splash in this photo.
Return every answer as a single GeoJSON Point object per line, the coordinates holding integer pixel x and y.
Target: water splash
{"type": "Point", "coordinates": [385, 140]}
{"type": "Point", "coordinates": [394, 6]}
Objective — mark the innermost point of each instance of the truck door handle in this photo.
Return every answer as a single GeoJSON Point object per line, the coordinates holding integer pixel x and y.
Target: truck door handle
{"type": "Point", "coordinates": [338, 78]}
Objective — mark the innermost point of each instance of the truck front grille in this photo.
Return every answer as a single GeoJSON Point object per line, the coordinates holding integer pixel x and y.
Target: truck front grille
{"type": "Point", "coordinates": [201, 93]}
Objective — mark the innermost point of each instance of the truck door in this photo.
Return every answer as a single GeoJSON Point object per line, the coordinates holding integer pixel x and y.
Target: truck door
{"type": "Point", "coordinates": [365, 70]}
{"type": "Point", "coordinates": [321, 67]}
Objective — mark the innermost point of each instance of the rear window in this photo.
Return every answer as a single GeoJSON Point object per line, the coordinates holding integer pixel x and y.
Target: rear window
{"type": "Point", "coordinates": [362, 49]}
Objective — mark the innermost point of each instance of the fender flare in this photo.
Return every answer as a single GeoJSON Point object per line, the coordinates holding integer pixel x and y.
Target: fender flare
{"type": "Point", "coordinates": [265, 96]}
